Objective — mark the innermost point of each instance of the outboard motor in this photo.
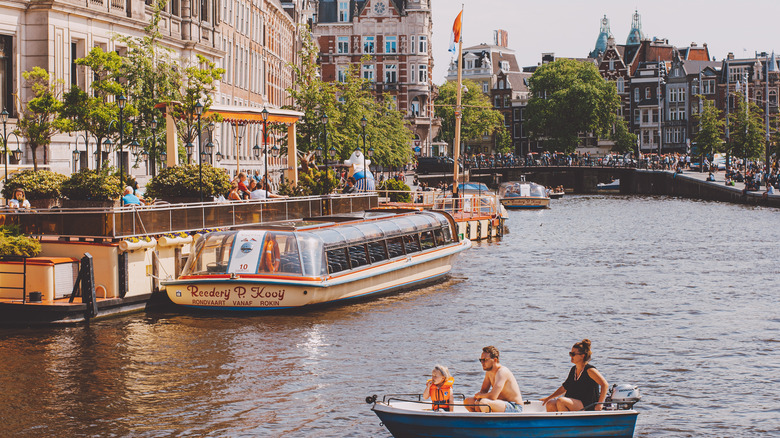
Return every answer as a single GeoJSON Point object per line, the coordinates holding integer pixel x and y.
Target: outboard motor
{"type": "Point", "coordinates": [624, 396]}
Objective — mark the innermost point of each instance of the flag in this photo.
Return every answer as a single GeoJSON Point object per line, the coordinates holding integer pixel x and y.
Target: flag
{"type": "Point", "coordinates": [455, 33]}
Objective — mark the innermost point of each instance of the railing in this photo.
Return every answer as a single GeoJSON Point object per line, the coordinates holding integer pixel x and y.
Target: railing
{"type": "Point", "coordinates": [154, 220]}
{"type": "Point", "coordinates": [23, 274]}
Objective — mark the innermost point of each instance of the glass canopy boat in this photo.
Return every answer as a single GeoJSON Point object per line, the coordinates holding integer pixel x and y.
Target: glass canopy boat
{"type": "Point", "coordinates": [300, 263]}
{"type": "Point", "coordinates": [523, 195]}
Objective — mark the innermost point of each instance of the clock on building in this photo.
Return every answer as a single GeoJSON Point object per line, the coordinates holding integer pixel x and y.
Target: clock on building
{"type": "Point", "coordinates": [380, 7]}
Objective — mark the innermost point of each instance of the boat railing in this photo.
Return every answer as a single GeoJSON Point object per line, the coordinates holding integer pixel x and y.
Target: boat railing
{"type": "Point", "coordinates": [387, 399]}
{"type": "Point", "coordinates": [468, 206]}
{"type": "Point", "coordinates": [22, 274]}
{"type": "Point", "coordinates": [122, 222]}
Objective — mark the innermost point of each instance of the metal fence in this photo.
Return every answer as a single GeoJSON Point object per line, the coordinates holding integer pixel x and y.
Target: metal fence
{"type": "Point", "coordinates": [155, 219]}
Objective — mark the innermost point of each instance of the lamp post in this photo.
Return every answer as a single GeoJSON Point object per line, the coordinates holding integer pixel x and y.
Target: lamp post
{"type": "Point", "coordinates": [121, 102]}
{"type": "Point", "coordinates": [265, 147]}
{"type": "Point", "coordinates": [199, 111]}
{"type": "Point", "coordinates": [209, 144]}
{"type": "Point", "coordinates": [154, 155]}
{"type": "Point", "coordinates": [363, 123]}
{"type": "Point", "coordinates": [324, 120]}
{"type": "Point", "coordinates": [4, 118]}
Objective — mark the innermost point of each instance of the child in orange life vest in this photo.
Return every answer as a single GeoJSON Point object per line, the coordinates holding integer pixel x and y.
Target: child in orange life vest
{"type": "Point", "coordinates": [439, 388]}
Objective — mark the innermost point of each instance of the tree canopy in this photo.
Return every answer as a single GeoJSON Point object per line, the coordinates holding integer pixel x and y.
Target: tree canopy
{"type": "Point", "coordinates": [346, 104]}
{"type": "Point", "coordinates": [568, 98]}
{"type": "Point", "coordinates": [479, 117]}
{"type": "Point", "coordinates": [41, 119]}
{"type": "Point", "coordinates": [709, 138]}
{"type": "Point", "coordinates": [747, 130]}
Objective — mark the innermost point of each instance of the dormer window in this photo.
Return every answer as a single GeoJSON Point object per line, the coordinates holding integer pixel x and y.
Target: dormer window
{"type": "Point", "coordinates": [505, 65]}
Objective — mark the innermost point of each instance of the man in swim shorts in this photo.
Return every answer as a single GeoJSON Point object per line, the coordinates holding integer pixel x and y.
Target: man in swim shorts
{"type": "Point", "coordinates": [499, 392]}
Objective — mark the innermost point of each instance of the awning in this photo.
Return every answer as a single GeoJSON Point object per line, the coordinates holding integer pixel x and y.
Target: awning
{"type": "Point", "coordinates": [242, 114]}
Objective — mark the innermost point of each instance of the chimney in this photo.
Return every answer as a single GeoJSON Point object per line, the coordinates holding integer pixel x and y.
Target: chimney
{"type": "Point", "coordinates": [730, 56]}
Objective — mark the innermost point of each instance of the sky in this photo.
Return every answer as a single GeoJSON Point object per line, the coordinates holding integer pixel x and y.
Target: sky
{"type": "Point", "coordinates": [569, 28]}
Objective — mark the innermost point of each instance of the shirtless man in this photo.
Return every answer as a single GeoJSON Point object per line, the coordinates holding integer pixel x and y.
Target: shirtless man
{"type": "Point", "coordinates": [500, 392]}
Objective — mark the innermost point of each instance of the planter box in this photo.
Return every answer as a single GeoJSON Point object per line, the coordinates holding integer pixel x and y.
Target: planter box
{"type": "Point", "coordinates": [77, 203]}
{"type": "Point", "coordinates": [45, 203]}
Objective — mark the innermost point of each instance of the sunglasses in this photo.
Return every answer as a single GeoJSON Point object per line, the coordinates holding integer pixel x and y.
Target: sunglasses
{"type": "Point", "coordinates": [483, 360]}
{"type": "Point", "coordinates": [572, 354]}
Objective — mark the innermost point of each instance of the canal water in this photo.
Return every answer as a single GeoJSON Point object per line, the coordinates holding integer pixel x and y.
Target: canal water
{"type": "Point", "coordinates": [678, 297]}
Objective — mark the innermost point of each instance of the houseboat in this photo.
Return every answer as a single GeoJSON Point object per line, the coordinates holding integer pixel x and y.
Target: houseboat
{"type": "Point", "coordinates": [525, 195]}
{"type": "Point", "coordinates": [294, 264]}
{"type": "Point", "coordinates": [410, 417]}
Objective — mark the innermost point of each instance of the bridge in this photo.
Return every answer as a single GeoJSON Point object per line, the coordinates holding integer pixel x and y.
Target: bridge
{"type": "Point", "coordinates": [585, 179]}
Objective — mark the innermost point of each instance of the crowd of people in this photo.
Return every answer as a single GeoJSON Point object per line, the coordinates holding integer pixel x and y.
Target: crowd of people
{"type": "Point", "coordinates": [584, 388]}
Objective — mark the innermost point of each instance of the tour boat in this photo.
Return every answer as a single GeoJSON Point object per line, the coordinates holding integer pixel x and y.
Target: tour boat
{"type": "Point", "coordinates": [613, 186]}
{"type": "Point", "coordinates": [293, 264]}
{"type": "Point", "coordinates": [409, 417]}
{"type": "Point", "coordinates": [526, 195]}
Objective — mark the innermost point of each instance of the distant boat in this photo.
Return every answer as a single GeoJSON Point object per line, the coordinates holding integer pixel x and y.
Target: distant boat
{"type": "Point", "coordinates": [556, 193]}
{"type": "Point", "coordinates": [613, 186]}
{"type": "Point", "coordinates": [525, 195]}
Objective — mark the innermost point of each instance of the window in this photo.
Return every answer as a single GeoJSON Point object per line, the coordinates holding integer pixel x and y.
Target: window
{"type": "Point", "coordinates": [654, 114]}
{"type": "Point", "coordinates": [341, 73]}
{"type": "Point", "coordinates": [412, 243]}
{"type": "Point", "coordinates": [636, 116]}
{"type": "Point", "coordinates": [517, 114]}
{"type": "Point", "coordinates": [442, 236]}
{"type": "Point", "coordinates": [423, 44]}
{"type": "Point", "coordinates": [507, 101]}
{"type": "Point", "coordinates": [368, 44]}
{"type": "Point", "coordinates": [647, 93]}
{"type": "Point", "coordinates": [497, 101]}
{"type": "Point", "coordinates": [337, 260]}
{"type": "Point", "coordinates": [645, 116]}
{"type": "Point", "coordinates": [343, 11]}
{"type": "Point", "coordinates": [422, 73]}
{"type": "Point", "coordinates": [391, 72]}
{"type": "Point", "coordinates": [395, 247]}
{"type": "Point", "coordinates": [636, 94]}
{"type": "Point", "coordinates": [681, 114]}
{"type": "Point", "coordinates": [709, 86]}
{"type": "Point", "coordinates": [391, 44]}
{"type": "Point", "coordinates": [505, 65]}
{"type": "Point", "coordinates": [426, 240]}
{"type": "Point", "coordinates": [611, 65]}
{"type": "Point", "coordinates": [368, 72]}
{"type": "Point", "coordinates": [485, 87]}
{"type": "Point", "coordinates": [342, 45]}
{"type": "Point", "coordinates": [621, 85]}
{"type": "Point", "coordinates": [773, 97]}
{"type": "Point", "coordinates": [414, 44]}
{"type": "Point", "coordinates": [357, 256]}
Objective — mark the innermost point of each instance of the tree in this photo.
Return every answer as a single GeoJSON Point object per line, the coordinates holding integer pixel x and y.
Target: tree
{"type": "Point", "coordinates": [152, 76]}
{"type": "Point", "coordinates": [569, 98]}
{"type": "Point", "coordinates": [709, 138]}
{"type": "Point", "coordinates": [98, 113]}
{"type": "Point", "coordinates": [41, 119]}
{"type": "Point", "coordinates": [747, 130]}
{"type": "Point", "coordinates": [479, 117]}
{"type": "Point", "coordinates": [345, 104]}
{"type": "Point", "coordinates": [625, 141]}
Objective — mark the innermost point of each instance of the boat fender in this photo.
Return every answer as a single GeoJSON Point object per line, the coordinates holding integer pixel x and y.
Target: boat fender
{"type": "Point", "coordinates": [490, 229]}
{"type": "Point", "coordinates": [271, 256]}
{"type": "Point", "coordinates": [479, 230]}
{"type": "Point", "coordinates": [468, 230]}
{"type": "Point", "coordinates": [371, 399]}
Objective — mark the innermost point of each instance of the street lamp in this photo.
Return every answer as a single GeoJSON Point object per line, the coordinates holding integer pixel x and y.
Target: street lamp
{"type": "Point", "coordinates": [265, 147]}
{"type": "Point", "coordinates": [324, 120]}
{"type": "Point", "coordinates": [4, 118]}
{"type": "Point", "coordinates": [121, 102]}
{"type": "Point", "coordinates": [199, 111]}
{"type": "Point", "coordinates": [76, 155]}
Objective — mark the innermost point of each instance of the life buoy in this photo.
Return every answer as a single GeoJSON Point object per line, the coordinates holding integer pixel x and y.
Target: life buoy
{"type": "Point", "coordinates": [272, 259]}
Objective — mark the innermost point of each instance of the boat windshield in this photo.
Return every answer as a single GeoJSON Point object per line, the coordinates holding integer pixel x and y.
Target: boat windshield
{"type": "Point", "coordinates": [258, 252]}
{"type": "Point", "coordinates": [522, 190]}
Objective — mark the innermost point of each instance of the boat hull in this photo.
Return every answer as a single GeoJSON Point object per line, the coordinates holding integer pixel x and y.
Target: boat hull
{"type": "Point", "coordinates": [525, 203]}
{"type": "Point", "coordinates": [415, 424]}
{"type": "Point", "coordinates": [250, 293]}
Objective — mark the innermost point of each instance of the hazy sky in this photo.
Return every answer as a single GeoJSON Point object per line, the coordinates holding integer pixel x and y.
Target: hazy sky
{"type": "Point", "coordinates": [569, 28]}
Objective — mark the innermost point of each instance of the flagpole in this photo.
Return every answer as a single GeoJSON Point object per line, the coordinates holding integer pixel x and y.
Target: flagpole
{"type": "Point", "coordinates": [458, 111]}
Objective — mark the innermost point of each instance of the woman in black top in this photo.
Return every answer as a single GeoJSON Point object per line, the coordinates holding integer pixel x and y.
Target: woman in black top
{"type": "Point", "coordinates": [582, 386]}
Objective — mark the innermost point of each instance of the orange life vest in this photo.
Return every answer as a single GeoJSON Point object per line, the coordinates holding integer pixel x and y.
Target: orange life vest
{"type": "Point", "coordinates": [440, 395]}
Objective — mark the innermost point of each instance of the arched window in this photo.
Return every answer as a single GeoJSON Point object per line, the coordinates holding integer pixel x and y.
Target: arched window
{"type": "Point", "coordinates": [773, 97]}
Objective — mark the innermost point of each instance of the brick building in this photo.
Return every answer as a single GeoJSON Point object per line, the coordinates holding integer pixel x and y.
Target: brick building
{"type": "Point", "coordinates": [396, 34]}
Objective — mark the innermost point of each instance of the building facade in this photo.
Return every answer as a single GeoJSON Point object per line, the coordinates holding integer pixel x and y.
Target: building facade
{"type": "Point", "coordinates": [396, 36]}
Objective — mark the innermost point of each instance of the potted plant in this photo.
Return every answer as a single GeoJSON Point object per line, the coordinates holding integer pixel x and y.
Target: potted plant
{"type": "Point", "coordinates": [41, 187]}
{"type": "Point", "coordinates": [92, 188]}
{"type": "Point", "coordinates": [180, 184]}
{"type": "Point", "coordinates": [14, 244]}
